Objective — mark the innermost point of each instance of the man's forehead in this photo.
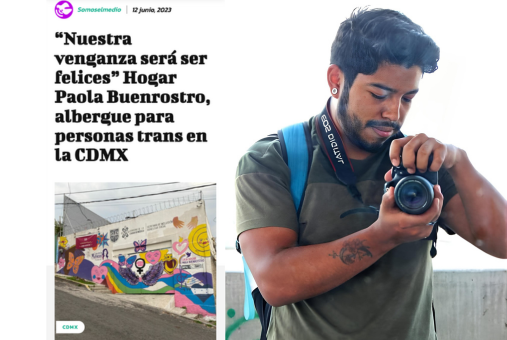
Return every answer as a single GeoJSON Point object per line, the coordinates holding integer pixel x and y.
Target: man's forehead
{"type": "Point", "coordinates": [392, 77]}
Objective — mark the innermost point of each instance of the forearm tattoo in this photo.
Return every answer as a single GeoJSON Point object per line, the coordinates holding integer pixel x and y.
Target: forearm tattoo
{"type": "Point", "coordinates": [351, 251]}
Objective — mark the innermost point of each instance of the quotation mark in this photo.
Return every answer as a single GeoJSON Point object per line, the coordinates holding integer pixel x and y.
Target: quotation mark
{"type": "Point", "coordinates": [59, 34]}
{"type": "Point", "coordinates": [115, 73]}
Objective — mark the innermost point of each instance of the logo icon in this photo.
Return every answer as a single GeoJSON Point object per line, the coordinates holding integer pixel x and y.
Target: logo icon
{"type": "Point", "coordinates": [115, 234]}
{"type": "Point", "coordinates": [64, 9]}
{"type": "Point", "coordinates": [125, 232]}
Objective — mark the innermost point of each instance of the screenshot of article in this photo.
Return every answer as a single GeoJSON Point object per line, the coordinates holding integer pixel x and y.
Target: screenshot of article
{"type": "Point", "coordinates": [145, 142]}
{"type": "Point", "coordinates": [134, 90]}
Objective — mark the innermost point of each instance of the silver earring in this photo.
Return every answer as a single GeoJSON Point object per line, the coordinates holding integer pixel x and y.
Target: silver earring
{"type": "Point", "coordinates": [334, 90]}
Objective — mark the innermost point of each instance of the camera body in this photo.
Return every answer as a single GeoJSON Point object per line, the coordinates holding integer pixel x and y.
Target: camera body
{"type": "Point", "coordinates": [413, 193]}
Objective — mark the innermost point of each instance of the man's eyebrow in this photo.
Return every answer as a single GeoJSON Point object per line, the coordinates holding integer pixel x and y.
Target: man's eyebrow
{"type": "Point", "coordinates": [387, 88]}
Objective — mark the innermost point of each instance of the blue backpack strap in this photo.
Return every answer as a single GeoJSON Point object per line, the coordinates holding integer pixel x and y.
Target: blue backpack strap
{"type": "Point", "coordinates": [297, 148]}
{"type": "Point", "coordinates": [249, 306]}
{"type": "Point", "coordinates": [296, 145]}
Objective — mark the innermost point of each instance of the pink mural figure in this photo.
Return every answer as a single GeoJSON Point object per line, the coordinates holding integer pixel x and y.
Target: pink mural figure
{"type": "Point", "coordinates": [181, 246]}
{"type": "Point", "coordinates": [99, 274]}
{"type": "Point", "coordinates": [153, 256]}
{"type": "Point", "coordinates": [193, 223]}
{"type": "Point", "coordinates": [61, 263]}
{"type": "Point", "coordinates": [177, 223]}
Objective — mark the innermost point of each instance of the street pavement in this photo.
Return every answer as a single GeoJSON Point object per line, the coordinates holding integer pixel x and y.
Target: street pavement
{"type": "Point", "coordinates": [107, 317]}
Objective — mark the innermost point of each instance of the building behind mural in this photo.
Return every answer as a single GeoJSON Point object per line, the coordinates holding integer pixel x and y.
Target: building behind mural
{"type": "Point", "coordinates": [166, 252]}
{"type": "Point", "coordinates": [77, 218]}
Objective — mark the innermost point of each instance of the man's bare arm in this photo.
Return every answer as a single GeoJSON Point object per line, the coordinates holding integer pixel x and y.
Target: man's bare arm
{"type": "Point", "coordinates": [273, 257]}
{"type": "Point", "coordinates": [479, 212]}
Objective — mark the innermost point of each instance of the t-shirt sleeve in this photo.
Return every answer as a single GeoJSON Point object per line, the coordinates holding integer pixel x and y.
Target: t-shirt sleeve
{"type": "Point", "coordinates": [448, 190]}
{"type": "Point", "coordinates": [263, 197]}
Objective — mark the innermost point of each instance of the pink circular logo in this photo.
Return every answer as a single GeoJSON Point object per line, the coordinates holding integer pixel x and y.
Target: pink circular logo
{"type": "Point", "coordinates": [64, 9]}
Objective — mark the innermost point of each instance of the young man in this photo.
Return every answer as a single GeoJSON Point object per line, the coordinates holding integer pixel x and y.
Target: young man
{"type": "Point", "coordinates": [339, 270]}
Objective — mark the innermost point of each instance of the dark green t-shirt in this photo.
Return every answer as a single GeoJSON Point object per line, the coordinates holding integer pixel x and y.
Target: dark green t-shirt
{"type": "Point", "coordinates": [389, 300]}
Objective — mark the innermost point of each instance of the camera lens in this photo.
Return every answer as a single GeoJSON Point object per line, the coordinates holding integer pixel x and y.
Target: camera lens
{"type": "Point", "coordinates": [414, 194]}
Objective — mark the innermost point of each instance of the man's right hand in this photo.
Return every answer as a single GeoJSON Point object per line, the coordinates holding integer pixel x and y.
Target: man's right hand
{"type": "Point", "coordinates": [395, 227]}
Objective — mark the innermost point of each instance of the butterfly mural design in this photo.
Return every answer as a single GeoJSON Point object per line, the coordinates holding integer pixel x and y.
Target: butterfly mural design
{"type": "Point", "coordinates": [126, 262]}
{"type": "Point", "coordinates": [140, 246]}
{"type": "Point", "coordinates": [74, 263]}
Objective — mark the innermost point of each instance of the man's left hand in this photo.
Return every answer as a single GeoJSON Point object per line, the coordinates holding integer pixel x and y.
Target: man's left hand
{"type": "Point", "coordinates": [416, 150]}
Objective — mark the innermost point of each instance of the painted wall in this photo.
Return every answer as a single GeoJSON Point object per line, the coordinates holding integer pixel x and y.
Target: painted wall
{"type": "Point", "coordinates": [167, 252]}
{"type": "Point", "coordinates": [469, 305]}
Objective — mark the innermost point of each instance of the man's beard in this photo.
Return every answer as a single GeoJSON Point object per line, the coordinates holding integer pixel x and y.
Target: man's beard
{"type": "Point", "coordinates": [352, 126]}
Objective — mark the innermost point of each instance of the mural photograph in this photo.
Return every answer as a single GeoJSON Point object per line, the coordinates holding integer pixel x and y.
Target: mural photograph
{"type": "Point", "coordinates": [165, 252]}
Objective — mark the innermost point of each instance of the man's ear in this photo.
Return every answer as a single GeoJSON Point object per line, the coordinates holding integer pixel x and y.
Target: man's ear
{"type": "Point", "coordinates": [335, 80]}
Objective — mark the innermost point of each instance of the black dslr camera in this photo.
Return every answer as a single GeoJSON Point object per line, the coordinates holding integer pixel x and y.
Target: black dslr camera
{"type": "Point", "coordinates": [413, 193]}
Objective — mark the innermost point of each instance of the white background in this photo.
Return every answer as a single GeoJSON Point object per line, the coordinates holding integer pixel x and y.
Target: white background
{"type": "Point", "coordinates": [266, 69]}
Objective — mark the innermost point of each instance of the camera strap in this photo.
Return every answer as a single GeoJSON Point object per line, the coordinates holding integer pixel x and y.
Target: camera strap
{"type": "Point", "coordinates": [335, 152]}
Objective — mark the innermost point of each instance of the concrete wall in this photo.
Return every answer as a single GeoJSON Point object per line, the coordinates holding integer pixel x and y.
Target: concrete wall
{"type": "Point", "coordinates": [237, 328]}
{"type": "Point", "coordinates": [469, 305]}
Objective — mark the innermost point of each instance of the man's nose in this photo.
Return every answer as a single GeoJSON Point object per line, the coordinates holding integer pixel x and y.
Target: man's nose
{"type": "Point", "coordinates": [392, 111]}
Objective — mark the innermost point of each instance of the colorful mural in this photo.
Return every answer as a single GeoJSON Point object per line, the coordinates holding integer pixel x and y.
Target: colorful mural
{"type": "Point", "coordinates": [153, 254]}
{"type": "Point", "coordinates": [199, 243]}
{"type": "Point", "coordinates": [63, 242]}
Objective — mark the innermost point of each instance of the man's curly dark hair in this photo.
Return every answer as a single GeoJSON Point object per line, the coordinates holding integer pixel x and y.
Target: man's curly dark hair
{"type": "Point", "coordinates": [371, 37]}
